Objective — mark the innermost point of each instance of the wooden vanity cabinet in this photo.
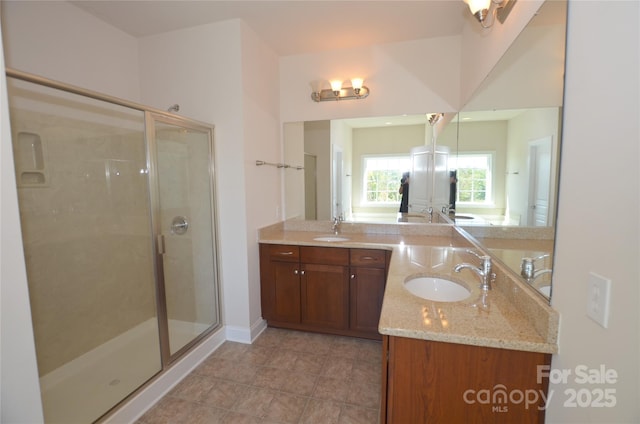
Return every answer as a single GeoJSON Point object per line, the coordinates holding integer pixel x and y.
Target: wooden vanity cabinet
{"type": "Point", "coordinates": [325, 289]}
{"type": "Point", "coordinates": [436, 382]}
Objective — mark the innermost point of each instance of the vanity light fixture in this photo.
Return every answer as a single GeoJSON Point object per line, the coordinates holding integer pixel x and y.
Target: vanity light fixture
{"type": "Point", "coordinates": [338, 92]}
{"type": "Point", "coordinates": [486, 11]}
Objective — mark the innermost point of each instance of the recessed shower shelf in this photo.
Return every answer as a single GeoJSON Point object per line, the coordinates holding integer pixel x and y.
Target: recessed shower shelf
{"type": "Point", "coordinates": [29, 160]}
{"type": "Point", "coordinates": [32, 178]}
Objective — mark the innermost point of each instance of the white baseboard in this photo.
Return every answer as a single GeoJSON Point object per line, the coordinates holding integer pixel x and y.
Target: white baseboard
{"type": "Point", "coordinates": [244, 334]}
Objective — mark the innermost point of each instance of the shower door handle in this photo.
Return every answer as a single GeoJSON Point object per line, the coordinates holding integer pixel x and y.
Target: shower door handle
{"type": "Point", "coordinates": [179, 225]}
{"type": "Point", "coordinates": [160, 244]}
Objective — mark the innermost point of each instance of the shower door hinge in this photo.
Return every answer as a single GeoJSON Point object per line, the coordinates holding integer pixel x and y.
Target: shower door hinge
{"type": "Point", "coordinates": [160, 243]}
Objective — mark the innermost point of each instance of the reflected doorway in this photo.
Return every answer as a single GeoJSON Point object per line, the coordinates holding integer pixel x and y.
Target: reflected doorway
{"type": "Point", "coordinates": [310, 186]}
{"type": "Point", "coordinates": [539, 182]}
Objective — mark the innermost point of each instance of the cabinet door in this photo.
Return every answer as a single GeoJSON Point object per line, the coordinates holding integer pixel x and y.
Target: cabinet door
{"type": "Point", "coordinates": [280, 283]}
{"type": "Point", "coordinates": [285, 293]}
{"type": "Point", "coordinates": [367, 291]}
{"type": "Point", "coordinates": [443, 383]}
{"type": "Point", "coordinates": [325, 295]}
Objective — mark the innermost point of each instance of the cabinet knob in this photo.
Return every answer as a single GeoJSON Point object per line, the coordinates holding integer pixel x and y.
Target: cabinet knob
{"type": "Point", "coordinates": [295, 271]}
{"type": "Point", "coordinates": [353, 276]}
{"type": "Point", "coordinates": [302, 272]}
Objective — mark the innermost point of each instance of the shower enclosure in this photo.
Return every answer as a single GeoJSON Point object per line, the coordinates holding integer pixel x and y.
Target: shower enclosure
{"type": "Point", "coordinates": [118, 223]}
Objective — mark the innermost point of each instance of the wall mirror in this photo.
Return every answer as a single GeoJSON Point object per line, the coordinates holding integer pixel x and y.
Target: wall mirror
{"type": "Point", "coordinates": [504, 144]}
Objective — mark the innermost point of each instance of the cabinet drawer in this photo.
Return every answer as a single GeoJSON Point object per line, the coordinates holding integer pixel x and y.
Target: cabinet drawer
{"type": "Point", "coordinates": [324, 255]}
{"type": "Point", "coordinates": [373, 258]}
{"type": "Point", "coordinates": [283, 252]}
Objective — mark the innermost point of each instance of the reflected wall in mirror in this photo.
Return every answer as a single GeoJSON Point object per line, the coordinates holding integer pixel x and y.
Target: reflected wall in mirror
{"type": "Point", "coordinates": [506, 164]}
{"type": "Point", "coordinates": [518, 109]}
{"type": "Point", "coordinates": [514, 125]}
{"type": "Point", "coordinates": [359, 166]}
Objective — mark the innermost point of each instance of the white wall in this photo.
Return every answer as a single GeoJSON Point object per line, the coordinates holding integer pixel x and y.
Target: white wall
{"type": "Point", "coordinates": [59, 41]}
{"type": "Point", "coordinates": [262, 140]}
{"type": "Point", "coordinates": [536, 56]}
{"type": "Point", "coordinates": [19, 384]}
{"type": "Point", "coordinates": [481, 49]}
{"type": "Point", "coordinates": [411, 77]}
{"type": "Point", "coordinates": [528, 126]}
{"type": "Point", "coordinates": [598, 221]}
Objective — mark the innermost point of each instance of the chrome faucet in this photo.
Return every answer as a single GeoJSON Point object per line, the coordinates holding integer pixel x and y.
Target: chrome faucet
{"type": "Point", "coordinates": [483, 271]}
{"type": "Point", "coordinates": [448, 210]}
{"type": "Point", "coordinates": [428, 211]}
{"type": "Point", "coordinates": [336, 225]}
{"type": "Point", "coordinates": [528, 268]}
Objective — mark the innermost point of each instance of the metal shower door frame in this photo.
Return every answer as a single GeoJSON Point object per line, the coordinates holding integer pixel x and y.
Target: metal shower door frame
{"type": "Point", "coordinates": [151, 117]}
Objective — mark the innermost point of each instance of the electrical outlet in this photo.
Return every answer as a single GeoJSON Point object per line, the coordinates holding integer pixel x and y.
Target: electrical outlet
{"type": "Point", "coordinates": [599, 289]}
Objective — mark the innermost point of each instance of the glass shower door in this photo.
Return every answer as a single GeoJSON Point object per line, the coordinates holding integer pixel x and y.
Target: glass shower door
{"type": "Point", "coordinates": [81, 171]}
{"type": "Point", "coordinates": [185, 230]}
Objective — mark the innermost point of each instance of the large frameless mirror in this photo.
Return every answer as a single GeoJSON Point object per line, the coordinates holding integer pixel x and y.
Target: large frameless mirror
{"type": "Point", "coordinates": [504, 146]}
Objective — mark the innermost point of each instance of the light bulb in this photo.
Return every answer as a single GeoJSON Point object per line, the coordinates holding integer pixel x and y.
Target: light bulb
{"type": "Point", "coordinates": [476, 6]}
{"type": "Point", "coordinates": [356, 83]}
{"type": "Point", "coordinates": [336, 86]}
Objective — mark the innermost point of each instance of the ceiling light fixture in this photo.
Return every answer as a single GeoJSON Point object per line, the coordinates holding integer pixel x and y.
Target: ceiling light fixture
{"type": "Point", "coordinates": [486, 11]}
{"type": "Point", "coordinates": [338, 92]}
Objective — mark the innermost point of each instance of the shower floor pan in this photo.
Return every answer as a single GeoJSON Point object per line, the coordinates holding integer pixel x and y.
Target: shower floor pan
{"type": "Point", "coordinates": [84, 389]}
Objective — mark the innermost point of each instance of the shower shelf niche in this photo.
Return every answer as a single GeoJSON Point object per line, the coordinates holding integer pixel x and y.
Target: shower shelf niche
{"type": "Point", "coordinates": [29, 160]}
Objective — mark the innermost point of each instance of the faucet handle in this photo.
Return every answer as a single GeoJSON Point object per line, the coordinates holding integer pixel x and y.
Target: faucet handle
{"type": "Point", "coordinates": [479, 256]}
{"type": "Point", "coordinates": [546, 255]}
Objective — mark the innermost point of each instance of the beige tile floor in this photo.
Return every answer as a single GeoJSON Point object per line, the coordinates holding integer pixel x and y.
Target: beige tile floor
{"type": "Point", "coordinates": [284, 377]}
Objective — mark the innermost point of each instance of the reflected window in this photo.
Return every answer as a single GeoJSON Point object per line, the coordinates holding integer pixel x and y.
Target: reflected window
{"type": "Point", "coordinates": [382, 175]}
{"type": "Point", "coordinates": [474, 173]}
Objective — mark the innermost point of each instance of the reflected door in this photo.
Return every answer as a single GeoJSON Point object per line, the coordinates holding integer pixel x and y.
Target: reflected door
{"type": "Point", "coordinates": [338, 208]}
{"type": "Point", "coordinates": [185, 231]}
{"type": "Point", "coordinates": [420, 185]}
{"type": "Point", "coordinates": [540, 182]}
{"type": "Point", "coordinates": [310, 187]}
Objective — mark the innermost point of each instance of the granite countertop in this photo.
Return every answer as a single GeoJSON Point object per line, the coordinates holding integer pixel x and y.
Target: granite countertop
{"type": "Point", "coordinates": [509, 316]}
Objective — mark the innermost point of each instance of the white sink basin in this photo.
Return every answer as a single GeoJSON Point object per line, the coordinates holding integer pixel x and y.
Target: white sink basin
{"type": "Point", "coordinates": [545, 290]}
{"type": "Point", "coordinates": [331, 238]}
{"type": "Point", "coordinates": [437, 289]}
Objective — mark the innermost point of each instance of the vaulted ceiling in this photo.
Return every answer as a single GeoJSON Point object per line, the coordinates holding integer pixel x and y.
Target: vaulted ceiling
{"type": "Point", "coordinates": [293, 27]}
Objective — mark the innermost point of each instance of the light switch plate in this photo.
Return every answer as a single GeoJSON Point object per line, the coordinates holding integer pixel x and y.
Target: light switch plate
{"type": "Point", "coordinates": [599, 289]}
